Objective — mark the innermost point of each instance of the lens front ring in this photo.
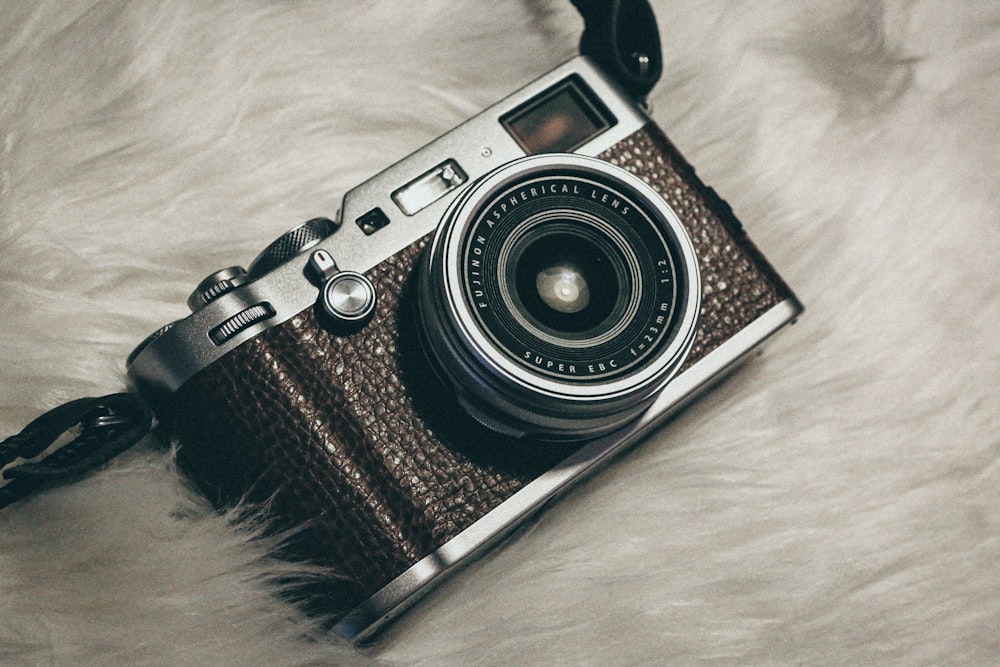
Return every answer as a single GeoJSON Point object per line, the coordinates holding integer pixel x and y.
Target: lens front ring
{"type": "Point", "coordinates": [504, 370]}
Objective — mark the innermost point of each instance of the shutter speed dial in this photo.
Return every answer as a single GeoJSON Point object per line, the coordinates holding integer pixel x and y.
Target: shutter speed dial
{"type": "Point", "coordinates": [290, 244]}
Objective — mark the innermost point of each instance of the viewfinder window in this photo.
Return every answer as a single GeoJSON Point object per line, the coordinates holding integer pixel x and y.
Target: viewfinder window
{"type": "Point", "coordinates": [560, 120]}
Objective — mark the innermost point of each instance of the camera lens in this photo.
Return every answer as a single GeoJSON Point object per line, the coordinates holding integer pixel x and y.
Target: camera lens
{"type": "Point", "coordinates": [558, 296]}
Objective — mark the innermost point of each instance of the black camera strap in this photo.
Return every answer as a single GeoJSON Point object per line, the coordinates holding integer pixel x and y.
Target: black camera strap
{"type": "Point", "coordinates": [99, 428]}
{"type": "Point", "coordinates": [622, 38]}
{"type": "Point", "coordinates": [619, 35]}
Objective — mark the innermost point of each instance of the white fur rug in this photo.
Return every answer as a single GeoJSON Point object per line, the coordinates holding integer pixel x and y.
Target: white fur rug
{"type": "Point", "coordinates": [836, 502]}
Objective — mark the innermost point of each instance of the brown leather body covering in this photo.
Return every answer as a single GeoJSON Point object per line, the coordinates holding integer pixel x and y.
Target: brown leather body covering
{"type": "Point", "coordinates": [351, 440]}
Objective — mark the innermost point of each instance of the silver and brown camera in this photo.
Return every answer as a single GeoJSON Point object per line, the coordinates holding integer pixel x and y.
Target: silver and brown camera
{"type": "Point", "coordinates": [488, 320]}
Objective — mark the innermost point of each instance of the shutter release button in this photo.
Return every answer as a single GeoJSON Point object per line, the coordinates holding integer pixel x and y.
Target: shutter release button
{"type": "Point", "coordinates": [347, 297]}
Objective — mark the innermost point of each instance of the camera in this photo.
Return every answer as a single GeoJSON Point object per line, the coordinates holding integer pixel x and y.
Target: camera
{"type": "Point", "coordinates": [481, 325]}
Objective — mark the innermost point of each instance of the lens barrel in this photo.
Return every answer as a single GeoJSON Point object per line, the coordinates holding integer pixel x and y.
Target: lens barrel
{"type": "Point", "coordinates": [559, 294]}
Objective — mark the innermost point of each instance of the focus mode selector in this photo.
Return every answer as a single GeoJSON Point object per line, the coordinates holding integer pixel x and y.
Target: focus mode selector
{"type": "Point", "coordinates": [215, 285]}
{"type": "Point", "coordinates": [291, 243]}
{"type": "Point", "coordinates": [347, 297]}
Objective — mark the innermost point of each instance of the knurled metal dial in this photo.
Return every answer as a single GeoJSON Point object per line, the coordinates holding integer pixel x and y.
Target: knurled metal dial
{"type": "Point", "coordinates": [244, 319]}
{"type": "Point", "coordinates": [291, 243]}
{"type": "Point", "coordinates": [215, 285]}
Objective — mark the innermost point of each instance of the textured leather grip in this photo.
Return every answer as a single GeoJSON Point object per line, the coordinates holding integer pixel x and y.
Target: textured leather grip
{"type": "Point", "coordinates": [351, 441]}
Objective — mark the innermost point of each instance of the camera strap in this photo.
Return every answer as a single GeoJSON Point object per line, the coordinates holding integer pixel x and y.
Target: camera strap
{"type": "Point", "coordinates": [622, 38]}
{"type": "Point", "coordinates": [99, 428]}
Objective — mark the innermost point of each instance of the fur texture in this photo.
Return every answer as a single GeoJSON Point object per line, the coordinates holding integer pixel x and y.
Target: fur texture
{"type": "Point", "coordinates": [835, 502]}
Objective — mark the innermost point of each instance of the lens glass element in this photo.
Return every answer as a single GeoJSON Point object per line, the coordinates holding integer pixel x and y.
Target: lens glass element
{"type": "Point", "coordinates": [565, 283]}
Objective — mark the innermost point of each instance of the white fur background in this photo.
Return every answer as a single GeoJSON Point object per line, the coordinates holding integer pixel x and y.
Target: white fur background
{"type": "Point", "coordinates": [836, 502]}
